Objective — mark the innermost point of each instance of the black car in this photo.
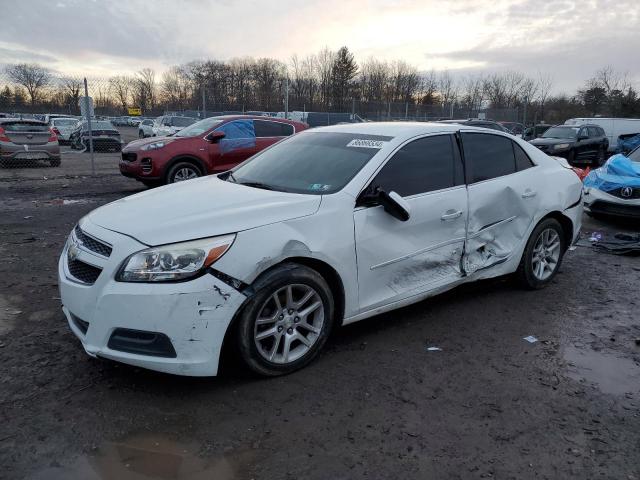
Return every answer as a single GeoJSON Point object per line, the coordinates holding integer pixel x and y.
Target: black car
{"type": "Point", "coordinates": [535, 131]}
{"type": "Point", "coordinates": [472, 122]}
{"type": "Point", "coordinates": [585, 144]}
{"type": "Point", "coordinates": [105, 137]}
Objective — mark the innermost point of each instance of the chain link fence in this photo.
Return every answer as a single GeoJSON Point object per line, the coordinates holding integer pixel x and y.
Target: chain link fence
{"type": "Point", "coordinates": [46, 123]}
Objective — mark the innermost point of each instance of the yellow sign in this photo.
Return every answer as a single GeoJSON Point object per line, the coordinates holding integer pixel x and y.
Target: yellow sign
{"type": "Point", "coordinates": [134, 111]}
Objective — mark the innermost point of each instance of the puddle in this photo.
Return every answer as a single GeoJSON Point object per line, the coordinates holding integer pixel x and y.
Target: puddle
{"type": "Point", "coordinates": [148, 457]}
{"type": "Point", "coordinates": [612, 374]}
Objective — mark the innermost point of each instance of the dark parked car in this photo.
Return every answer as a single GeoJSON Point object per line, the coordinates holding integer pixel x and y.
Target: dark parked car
{"type": "Point", "coordinates": [514, 128]}
{"type": "Point", "coordinates": [27, 141]}
{"type": "Point", "coordinates": [212, 145]}
{"type": "Point", "coordinates": [535, 132]}
{"type": "Point", "coordinates": [585, 144]}
{"type": "Point", "coordinates": [472, 122]}
{"type": "Point", "coordinates": [104, 135]}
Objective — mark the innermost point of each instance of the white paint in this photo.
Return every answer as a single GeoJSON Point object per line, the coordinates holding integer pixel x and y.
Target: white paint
{"type": "Point", "coordinates": [397, 263]}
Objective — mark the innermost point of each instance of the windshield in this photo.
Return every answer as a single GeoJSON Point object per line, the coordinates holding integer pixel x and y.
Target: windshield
{"type": "Point", "coordinates": [182, 121]}
{"type": "Point", "coordinates": [64, 122]}
{"type": "Point", "coordinates": [561, 132]}
{"type": "Point", "coordinates": [635, 155]}
{"type": "Point", "coordinates": [311, 162]}
{"type": "Point", "coordinates": [198, 128]}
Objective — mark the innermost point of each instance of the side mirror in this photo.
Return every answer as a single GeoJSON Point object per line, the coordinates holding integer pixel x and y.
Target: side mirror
{"type": "Point", "coordinates": [394, 205]}
{"type": "Point", "coordinates": [215, 137]}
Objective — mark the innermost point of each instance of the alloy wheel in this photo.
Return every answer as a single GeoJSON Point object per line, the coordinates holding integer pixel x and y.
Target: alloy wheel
{"type": "Point", "coordinates": [546, 254]}
{"type": "Point", "coordinates": [289, 323]}
{"type": "Point", "coordinates": [185, 173]}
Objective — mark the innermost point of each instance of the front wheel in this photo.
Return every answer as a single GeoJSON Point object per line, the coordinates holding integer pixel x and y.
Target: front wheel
{"type": "Point", "coordinates": [182, 171]}
{"type": "Point", "coordinates": [285, 324]}
{"type": "Point", "coordinates": [543, 255]}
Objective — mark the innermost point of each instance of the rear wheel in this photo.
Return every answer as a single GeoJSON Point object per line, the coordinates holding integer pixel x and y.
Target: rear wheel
{"type": "Point", "coordinates": [543, 255]}
{"type": "Point", "coordinates": [182, 171]}
{"type": "Point", "coordinates": [285, 324]}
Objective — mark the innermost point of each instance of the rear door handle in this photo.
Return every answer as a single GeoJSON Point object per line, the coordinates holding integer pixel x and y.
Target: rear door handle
{"type": "Point", "coordinates": [528, 193]}
{"type": "Point", "coordinates": [450, 215]}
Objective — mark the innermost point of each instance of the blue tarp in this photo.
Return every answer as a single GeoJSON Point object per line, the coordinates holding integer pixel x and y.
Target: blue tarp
{"type": "Point", "coordinates": [238, 134]}
{"type": "Point", "coordinates": [626, 143]}
{"type": "Point", "coordinates": [618, 171]}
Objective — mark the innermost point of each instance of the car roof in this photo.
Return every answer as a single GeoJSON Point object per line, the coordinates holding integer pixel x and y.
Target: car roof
{"type": "Point", "coordinates": [394, 129]}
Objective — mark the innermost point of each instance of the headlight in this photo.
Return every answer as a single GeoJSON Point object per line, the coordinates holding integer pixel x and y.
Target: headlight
{"type": "Point", "coordinates": [154, 146]}
{"type": "Point", "coordinates": [560, 146]}
{"type": "Point", "coordinates": [174, 262]}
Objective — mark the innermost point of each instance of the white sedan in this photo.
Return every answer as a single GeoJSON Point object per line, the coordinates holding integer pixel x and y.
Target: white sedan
{"type": "Point", "coordinates": [328, 227]}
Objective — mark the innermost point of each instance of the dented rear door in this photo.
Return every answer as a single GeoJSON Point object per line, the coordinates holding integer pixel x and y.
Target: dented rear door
{"type": "Point", "coordinates": [504, 196]}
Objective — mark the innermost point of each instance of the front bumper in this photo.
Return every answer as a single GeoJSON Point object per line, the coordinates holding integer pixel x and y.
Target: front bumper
{"type": "Point", "coordinates": [194, 315]}
{"type": "Point", "coordinates": [599, 202]}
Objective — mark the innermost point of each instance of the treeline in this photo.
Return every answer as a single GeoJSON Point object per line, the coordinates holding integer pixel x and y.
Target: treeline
{"type": "Point", "coordinates": [326, 81]}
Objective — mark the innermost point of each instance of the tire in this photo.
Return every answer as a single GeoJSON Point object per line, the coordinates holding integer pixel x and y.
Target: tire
{"type": "Point", "coordinates": [55, 163]}
{"type": "Point", "coordinates": [571, 158]}
{"type": "Point", "coordinates": [265, 354]}
{"type": "Point", "coordinates": [184, 171]}
{"type": "Point", "coordinates": [527, 273]}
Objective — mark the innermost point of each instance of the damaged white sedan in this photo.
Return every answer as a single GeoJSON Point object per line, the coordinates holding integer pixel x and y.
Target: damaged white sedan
{"type": "Point", "coordinates": [325, 228]}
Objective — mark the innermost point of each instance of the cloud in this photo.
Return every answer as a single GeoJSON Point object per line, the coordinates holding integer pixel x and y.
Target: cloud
{"type": "Point", "coordinates": [568, 38]}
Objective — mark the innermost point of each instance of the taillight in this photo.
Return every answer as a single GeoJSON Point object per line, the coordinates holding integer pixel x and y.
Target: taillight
{"type": "Point", "coordinates": [3, 136]}
{"type": "Point", "coordinates": [52, 135]}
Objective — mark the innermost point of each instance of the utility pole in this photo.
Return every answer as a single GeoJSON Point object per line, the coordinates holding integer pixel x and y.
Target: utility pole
{"type": "Point", "coordinates": [286, 98]}
{"type": "Point", "coordinates": [87, 109]}
{"type": "Point", "coordinates": [204, 105]}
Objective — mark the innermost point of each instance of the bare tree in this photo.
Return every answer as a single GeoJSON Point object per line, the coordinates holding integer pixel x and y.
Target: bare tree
{"type": "Point", "coordinates": [31, 76]}
{"type": "Point", "coordinates": [120, 87]}
{"type": "Point", "coordinates": [176, 87]}
{"type": "Point", "coordinates": [145, 89]}
{"type": "Point", "coordinates": [545, 84]}
{"type": "Point", "coordinates": [72, 88]}
{"type": "Point", "coordinates": [447, 88]}
{"type": "Point", "coordinates": [472, 93]}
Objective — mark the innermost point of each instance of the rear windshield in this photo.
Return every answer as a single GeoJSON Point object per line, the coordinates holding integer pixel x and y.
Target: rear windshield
{"type": "Point", "coordinates": [24, 127]}
{"type": "Point", "coordinates": [64, 122]}
{"type": "Point", "coordinates": [182, 121]}
{"type": "Point", "coordinates": [310, 162]}
{"type": "Point", "coordinates": [99, 125]}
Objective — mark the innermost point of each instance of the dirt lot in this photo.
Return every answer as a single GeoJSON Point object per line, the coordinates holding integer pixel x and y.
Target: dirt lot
{"type": "Point", "coordinates": [376, 404]}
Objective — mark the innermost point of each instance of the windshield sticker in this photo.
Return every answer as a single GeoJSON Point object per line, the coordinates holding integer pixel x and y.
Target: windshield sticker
{"type": "Point", "coordinates": [364, 143]}
{"type": "Point", "coordinates": [321, 187]}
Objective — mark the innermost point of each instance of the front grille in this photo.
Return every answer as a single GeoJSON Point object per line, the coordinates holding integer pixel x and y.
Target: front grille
{"type": "Point", "coordinates": [608, 208]}
{"type": "Point", "coordinates": [83, 271]}
{"type": "Point", "coordinates": [146, 165]}
{"type": "Point", "coordinates": [129, 156]}
{"type": "Point", "coordinates": [92, 244]}
{"type": "Point", "coordinates": [635, 193]}
{"type": "Point", "coordinates": [79, 323]}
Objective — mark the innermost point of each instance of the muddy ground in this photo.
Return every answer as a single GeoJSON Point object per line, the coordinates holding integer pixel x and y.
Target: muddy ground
{"type": "Point", "coordinates": [376, 404]}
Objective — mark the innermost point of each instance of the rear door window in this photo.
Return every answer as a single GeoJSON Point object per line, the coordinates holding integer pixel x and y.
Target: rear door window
{"type": "Point", "coordinates": [424, 165]}
{"type": "Point", "coordinates": [488, 156]}
{"type": "Point", "coordinates": [593, 132]}
{"type": "Point", "coordinates": [265, 128]}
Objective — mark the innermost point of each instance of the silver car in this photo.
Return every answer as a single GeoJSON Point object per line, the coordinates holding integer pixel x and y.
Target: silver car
{"type": "Point", "coordinates": [25, 141]}
{"type": "Point", "coordinates": [63, 127]}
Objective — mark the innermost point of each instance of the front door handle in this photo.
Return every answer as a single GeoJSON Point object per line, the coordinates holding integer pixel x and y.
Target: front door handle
{"type": "Point", "coordinates": [528, 193]}
{"type": "Point", "coordinates": [450, 215]}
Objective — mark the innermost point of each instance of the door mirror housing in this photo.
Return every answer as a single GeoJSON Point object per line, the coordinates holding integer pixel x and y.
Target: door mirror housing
{"type": "Point", "coordinates": [395, 205]}
{"type": "Point", "coordinates": [215, 137]}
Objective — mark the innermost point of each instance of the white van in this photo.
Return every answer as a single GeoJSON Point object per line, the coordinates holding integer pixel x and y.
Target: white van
{"type": "Point", "coordinates": [613, 127]}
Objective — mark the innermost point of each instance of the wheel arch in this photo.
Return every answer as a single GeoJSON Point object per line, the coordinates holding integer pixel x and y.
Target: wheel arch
{"type": "Point", "coordinates": [185, 158]}
{"type": "Point", "coordinates": [565, 222]}
{"type": "Point", "coordinates": [328, 273]}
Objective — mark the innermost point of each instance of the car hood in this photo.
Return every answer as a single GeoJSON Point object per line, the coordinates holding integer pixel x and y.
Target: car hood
{"type": "Point", "coordinates": [200, 208]}
{"type": "Point", "coordinates": [551, 141]}
{"type": "Point", "coordinates": [136, 144]}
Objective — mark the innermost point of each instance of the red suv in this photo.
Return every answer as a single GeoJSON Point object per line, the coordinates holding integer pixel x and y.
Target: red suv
{"type": "Point", "coordinates": [209, 146]}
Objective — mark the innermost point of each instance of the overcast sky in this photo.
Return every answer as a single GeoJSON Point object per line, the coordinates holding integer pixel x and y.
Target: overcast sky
{"type": "Point", "coordinates": [565, 38]}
